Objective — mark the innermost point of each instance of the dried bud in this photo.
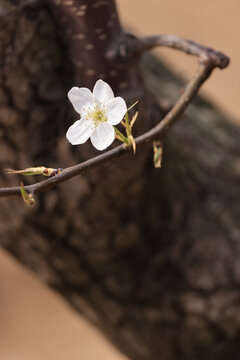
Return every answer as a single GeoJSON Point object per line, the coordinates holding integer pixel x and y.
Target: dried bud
{"type": "Point", "coordinates": [130, 137]}
{"type": "Point", "coordinates": [157, 154]}
{"type": "Point", "coordinates": [134, 118]}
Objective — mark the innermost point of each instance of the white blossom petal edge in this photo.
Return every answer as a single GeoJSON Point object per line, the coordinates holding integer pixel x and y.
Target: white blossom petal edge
{"type": "Point", "coordinates": [99, 111]}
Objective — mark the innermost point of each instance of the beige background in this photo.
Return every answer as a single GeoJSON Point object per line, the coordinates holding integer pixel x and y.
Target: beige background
{"type": "Point", "coordinates": [35, 324]}
{"type": "Point", "coordinates": [215, 23]}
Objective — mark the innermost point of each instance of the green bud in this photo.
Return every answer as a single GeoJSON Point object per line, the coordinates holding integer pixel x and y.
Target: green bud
{"type": "Point", "coordinates": [27, 197]}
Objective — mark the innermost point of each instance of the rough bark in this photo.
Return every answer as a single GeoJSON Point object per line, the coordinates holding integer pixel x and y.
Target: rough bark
{"type": "Point", "coordinates": [150, 256]}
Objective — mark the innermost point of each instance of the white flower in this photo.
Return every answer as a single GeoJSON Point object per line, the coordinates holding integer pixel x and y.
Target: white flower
{"type": "Point", "coordinates": [99, 111]}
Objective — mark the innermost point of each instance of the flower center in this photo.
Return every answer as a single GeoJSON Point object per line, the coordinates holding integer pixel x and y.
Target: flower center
{"type": "Point", "coordinates": [96, 114]}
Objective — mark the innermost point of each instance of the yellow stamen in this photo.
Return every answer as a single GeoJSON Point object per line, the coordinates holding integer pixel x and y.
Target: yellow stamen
{"type": "Point", "coordinates": [97, 115]}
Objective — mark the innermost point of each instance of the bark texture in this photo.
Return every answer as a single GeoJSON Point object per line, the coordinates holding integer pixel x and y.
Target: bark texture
{"type": "Point", "coordinates": [152, 257]}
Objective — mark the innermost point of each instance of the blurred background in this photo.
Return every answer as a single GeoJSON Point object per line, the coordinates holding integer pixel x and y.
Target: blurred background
{"type": "Point", "coordinates": [213, 23]}
{"type": "Point", "coordinates": [34, 322]}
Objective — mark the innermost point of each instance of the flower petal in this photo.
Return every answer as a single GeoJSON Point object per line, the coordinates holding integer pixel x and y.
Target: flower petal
{"type": "Point", "coordinates": [80, 131]}
{"type": "Point", "coordinates": [103, 136]}
{"type": "Point", "coordinates": [102, 92]}
{"type": "Point", "coordinates": [80, 97]}
{"type": "Point", "coordinates": [116, 109]}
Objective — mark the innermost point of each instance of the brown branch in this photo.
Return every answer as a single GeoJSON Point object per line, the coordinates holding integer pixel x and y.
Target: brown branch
{"type": "Point", "coordinates": [208, 60]}
{"type": "Point", "coordinates": [133, 47]}
{"type": "Point", "coordinates": [205, 54]}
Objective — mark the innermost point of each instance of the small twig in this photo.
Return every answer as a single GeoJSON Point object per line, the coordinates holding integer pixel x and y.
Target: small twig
{"type": "Point", "coordinates": [208, 60]}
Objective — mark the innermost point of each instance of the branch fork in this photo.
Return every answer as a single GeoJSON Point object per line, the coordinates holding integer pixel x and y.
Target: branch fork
{"type": "Point", "coordinates": [208, 58]}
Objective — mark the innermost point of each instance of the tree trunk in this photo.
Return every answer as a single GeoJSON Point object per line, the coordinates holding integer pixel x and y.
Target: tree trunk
{"type": "Point", "coordinates": [149, 256]}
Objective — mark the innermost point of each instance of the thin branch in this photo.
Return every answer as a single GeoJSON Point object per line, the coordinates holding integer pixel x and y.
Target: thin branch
{"type": "Point", "coordinates": [205, 54]}
{"type": "Point", "coordinates": [208, 60]}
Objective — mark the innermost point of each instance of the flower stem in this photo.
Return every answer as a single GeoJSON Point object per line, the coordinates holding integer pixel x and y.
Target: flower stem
{"type": "Point", "coordinates": [120, 136]}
